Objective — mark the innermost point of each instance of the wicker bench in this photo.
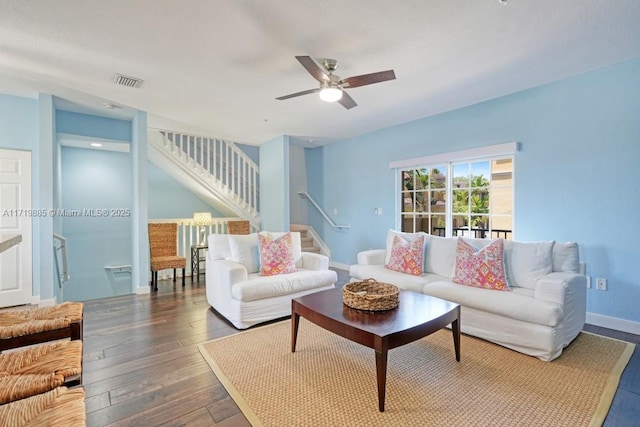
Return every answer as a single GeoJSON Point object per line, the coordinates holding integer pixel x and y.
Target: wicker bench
{"type": "Point", "coordinates": [38, 369]}
{"type": "Point", "coordinates": [20, 328]}
{"type": "Point", "coordinates": [58, 407]}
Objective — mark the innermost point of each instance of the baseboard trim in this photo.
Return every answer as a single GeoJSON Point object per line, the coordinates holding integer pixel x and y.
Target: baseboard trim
{"type": "Point", "coordinates": [609, 322]}
{"type": "Point", "coordinates": [46, 302]}
{"type": "Point", "coordinates": [142, 290]}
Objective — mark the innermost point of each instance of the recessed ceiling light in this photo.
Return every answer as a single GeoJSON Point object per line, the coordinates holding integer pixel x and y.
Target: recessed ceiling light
{"type": "Point", "coordinates": [96, 144]}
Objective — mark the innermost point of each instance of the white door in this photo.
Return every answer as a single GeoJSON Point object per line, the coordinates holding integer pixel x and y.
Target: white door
{"type": "Point", "coordinates": [15, 219]}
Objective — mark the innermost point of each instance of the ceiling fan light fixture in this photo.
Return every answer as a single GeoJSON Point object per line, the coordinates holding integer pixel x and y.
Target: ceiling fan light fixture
{"type": "Point", "coordinates": [331, 93]}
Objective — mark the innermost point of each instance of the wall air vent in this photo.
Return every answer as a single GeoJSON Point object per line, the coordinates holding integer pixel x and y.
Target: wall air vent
{"type": "Point", "coordinates": [123, 80]}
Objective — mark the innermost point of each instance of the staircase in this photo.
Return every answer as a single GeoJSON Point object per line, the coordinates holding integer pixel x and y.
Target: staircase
{"type": "Point", "coordinates": [221, 174]}
{"type": "Point", "coordinates": [216, 170]}
{"type": "Point", "coordinates": [310, 240]}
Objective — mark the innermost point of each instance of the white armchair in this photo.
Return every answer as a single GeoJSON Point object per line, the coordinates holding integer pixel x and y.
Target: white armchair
{"type": "Point", "coordinates": [237, 291]}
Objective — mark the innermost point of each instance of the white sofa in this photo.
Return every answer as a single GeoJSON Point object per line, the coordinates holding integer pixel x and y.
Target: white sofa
{"type": "Point", "coordinates": [237, 291]}
{"type": "Point", "coordinates": [541, 314]}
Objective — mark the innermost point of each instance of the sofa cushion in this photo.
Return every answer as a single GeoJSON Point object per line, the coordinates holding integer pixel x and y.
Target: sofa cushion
{"type": "Point", "coordinates": [482, 268]}
{"type": "Point", "coordinates": [408, 237]}
{"type": "Point", "coordinates": [218, 247]}
{"type": "Point", "coordinates": [258, 287]}
{"type": "Point", "coordinates": [440, 256]}
{"type": "Point", "coordinates": [381, 274]}
{"type": "Point", "coordinates": [276, 255]}
{"type": "Point", "coordinates": [566, 257]}
{"type": "Point", "coordinates": [244, 250]}
{"type": "Point", "coordinates": [513, 305]}
{"type": "Point", "coordinates": [526, 262]}
{"type": "Point", "coordinates": [406, 257]}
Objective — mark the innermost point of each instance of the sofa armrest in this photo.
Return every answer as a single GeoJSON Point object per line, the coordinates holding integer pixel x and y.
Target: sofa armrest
{"type": "Point", "coordinates": [372, 257]}
{"type": "Point", "coordinates": [221, 275]}
{"type": "Point", "coordinates": [558, 287]}
{"type": "Point", "coordinates": [225, 272]}
{"type": "Point", "coordinates": [313, 261]}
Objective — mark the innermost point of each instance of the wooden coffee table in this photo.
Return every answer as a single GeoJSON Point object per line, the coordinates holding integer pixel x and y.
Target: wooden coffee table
{"type": "Point", "coordinates": [417, 316]}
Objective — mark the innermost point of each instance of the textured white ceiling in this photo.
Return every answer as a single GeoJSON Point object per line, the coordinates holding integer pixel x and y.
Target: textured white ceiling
{"type": "Point", "coordinates": [215, 67]}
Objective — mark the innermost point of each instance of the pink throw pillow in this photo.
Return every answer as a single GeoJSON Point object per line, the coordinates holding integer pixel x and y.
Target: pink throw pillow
{"type": "Point", "coordinates": [406, 257]}
{"type": "Point", "coordinates": [482, 268]}
{"type": "Point", "coordinates": [276, 256]}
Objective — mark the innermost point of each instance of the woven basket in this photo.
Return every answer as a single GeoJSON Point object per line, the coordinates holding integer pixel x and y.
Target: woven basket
{"type": "Point", "coordinates": [370, 295]}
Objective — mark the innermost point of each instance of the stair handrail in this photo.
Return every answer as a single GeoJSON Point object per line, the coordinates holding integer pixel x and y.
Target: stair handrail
{"type": "Point", "coordinates": [63, 276]}
{"type": "Point", "coordinates": [305, 195]}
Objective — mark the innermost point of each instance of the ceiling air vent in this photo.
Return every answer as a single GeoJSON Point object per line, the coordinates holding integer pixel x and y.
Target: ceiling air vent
{"type": "Point", "coordinates": [123, 80]}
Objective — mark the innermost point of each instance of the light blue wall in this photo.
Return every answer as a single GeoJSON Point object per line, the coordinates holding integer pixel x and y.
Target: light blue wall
{"type": "Point", "coordinates": [94, 126]}
{"type": "Point", "coordinates": [575, 177]}
{"type": "Point", "coordinates": [93, 179]}
{"type": "Point", "coordinates": [274, 184]}
{"type": "Point", "coordinates": [96, 179]}
{"type": "Point", "coordinates": [170, 199]}
{"type": "Point", "coordinates": [43, 266]}
{"type": "Point", "coordinates": [18, 123]}
{"type": "Point", "coordinates": [139, 204]}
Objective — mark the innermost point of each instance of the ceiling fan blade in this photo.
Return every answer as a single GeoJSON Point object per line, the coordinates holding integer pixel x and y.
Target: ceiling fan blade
{"type": "Point", "coordinates": [304, 92]}
{"type": "Point", "coordinates": [368, 79]}
{"type": "Point", "coordinates": [347, 101]}
{"type": "Point", "coordinates": [313, 68]}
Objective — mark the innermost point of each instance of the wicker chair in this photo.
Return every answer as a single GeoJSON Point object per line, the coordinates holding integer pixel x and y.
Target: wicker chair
{"type": "Point", "coordinates": [37, 325]}
{"type": "Point", "coordinates": [38, 369]}
{"type": "Point", "coordinates": [237, 227]}
{"type": "Point", "coordinates": [58, 407]}
{"type": "Point", "coordinates": [163, 248]}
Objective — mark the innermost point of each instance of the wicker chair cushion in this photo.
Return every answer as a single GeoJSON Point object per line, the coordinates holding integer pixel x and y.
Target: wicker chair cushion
{"type": "Point", "coordinates": [14, 323]}
{"type": "Point", "coordinates": [160, 263]}
{"type": "Point", "coordinates": [58, 407]}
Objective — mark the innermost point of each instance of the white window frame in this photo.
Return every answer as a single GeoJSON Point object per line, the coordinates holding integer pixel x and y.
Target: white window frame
{"type": "Point", "coordinates": [488, 153]}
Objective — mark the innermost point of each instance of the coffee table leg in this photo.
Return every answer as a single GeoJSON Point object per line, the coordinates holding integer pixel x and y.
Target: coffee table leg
{"type": "Point", "coordinates": [295, 320]}
{"type": "Point", "coordinates": [455, 328]}
{"type": "Point", "coordinates": [381, 373]}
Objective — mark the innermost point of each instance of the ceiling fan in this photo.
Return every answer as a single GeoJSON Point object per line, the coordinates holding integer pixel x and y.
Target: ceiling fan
{"type": "Point", "coordinates": [332, 87]}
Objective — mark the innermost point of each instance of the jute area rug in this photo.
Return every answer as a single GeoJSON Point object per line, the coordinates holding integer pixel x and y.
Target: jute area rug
{"type": "Point", "coordinates": [330, 381]}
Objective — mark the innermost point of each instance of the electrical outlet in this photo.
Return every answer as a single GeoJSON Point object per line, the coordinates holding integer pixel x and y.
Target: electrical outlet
{"type": "Point", "coordinates": [588, 281]}
{"type": "Point", "coordinates": [601, 284]}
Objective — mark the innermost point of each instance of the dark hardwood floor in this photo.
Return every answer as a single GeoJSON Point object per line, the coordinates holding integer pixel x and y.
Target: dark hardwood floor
{"type": "Point", "coordinates": [142, 366]}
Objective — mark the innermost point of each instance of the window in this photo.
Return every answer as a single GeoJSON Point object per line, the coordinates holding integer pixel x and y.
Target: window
{"type": "Point", "coordinates": [472, 198]}
{"type": "Point", "coordinates": [424, 199]}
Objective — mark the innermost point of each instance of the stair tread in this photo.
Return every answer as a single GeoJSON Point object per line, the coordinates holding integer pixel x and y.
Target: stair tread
{"type": "Point", "coordinates": [313, 249]}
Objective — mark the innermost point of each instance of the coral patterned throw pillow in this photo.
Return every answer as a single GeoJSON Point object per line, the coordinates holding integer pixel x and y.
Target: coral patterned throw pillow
{"type": "Point", "coordinates": [276, 256]}
{"type": "Point", "coordinates": [407, 257]}
{"type": "Point", "coordinates": [482, 268]}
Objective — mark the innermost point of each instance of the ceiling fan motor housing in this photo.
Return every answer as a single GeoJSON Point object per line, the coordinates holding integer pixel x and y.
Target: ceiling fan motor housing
{"type": "Point", "coordinates": [330, 65]}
